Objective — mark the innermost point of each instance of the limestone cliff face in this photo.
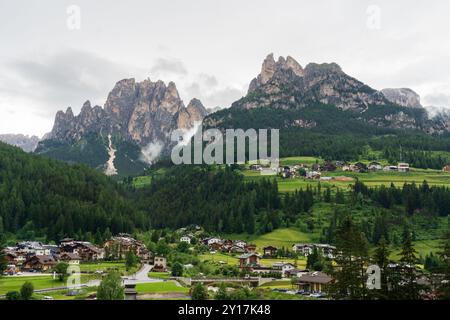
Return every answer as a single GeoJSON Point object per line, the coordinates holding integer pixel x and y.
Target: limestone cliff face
{"type": "Point", "coordinates": [141, 112]}
{"type": "Point", "coordinates": [286, 84]}
{"type": "Point", "coordinates": [404, 97]}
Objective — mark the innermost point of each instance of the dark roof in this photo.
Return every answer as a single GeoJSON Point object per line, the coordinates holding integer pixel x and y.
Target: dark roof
{"type": "Point", "coordinates": [315, 277]}
{"type": "Point", "coordinates": [43, 259]}
{"type": "Point", "coordinates": [70, 256]}
{"type": "Point", "coordinates": [297, 270]}
{"type": "Point", "coordinates": [270, 248]}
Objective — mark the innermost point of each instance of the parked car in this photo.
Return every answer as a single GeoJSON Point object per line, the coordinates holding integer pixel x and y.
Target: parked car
{"type": "Point", "coordinates": [47, 298]}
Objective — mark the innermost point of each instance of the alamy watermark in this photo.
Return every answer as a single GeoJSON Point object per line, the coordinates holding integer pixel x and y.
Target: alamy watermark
{"type": "Point", "coordinates": [373, 17]}
{"type": "Point", "coordinates": [73, 21]}
{"type": "Point", "coordinates": [211, 147]}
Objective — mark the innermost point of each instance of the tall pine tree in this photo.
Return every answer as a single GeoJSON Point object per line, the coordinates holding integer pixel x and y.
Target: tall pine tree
{"type": "Point", "coordinates": [351, 259]}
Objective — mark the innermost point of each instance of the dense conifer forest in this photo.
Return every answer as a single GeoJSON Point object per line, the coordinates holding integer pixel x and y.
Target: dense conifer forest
{"type": "Point", "coordinates": [45, 198]}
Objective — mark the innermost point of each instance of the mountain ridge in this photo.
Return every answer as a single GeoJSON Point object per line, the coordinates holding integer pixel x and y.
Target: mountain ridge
{"type": "Point", "coordinates": [135, 114]}
{"type": "Point", "coordinates": [140, 116]}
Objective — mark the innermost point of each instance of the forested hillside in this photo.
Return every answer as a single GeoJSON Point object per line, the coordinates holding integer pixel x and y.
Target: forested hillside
{"type": "Point", "coordinates": [217, 199]}
{"type": "Point", "coordinates": [330, 133]}
{"type": "Point", "coordinates": [43, 197]}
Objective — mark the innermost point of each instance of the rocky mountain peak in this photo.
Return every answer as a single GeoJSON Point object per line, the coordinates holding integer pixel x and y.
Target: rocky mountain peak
{"type": "Point", "coordinates": [141, 112]}
{"type": "Point", "coordinates": [323, 68]}
{"type": "Point", "coordinates": [285, 84]}
{"type": "Point", "coordinates": [270, 68]}
{"type": "Point", "coordinates": [196, 109]}
{"type": "Point", "coordinates": [68, 114]}
{"type": "Point", "coordinates": [404, 97]}
{"type": "Point", "coordinates": [86, 109]}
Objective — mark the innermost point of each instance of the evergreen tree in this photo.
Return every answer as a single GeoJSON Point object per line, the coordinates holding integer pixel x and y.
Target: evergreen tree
{"type": "Point", "coordinates": [314, 260]}
{"type": "Point", "coordinates": [351, 261]}
{"type": "Point", "coordinates": [404, 282]}
{"type": "Point", "coordinates": [381, 259]}
{"type": "Point", "coordinates": [327, 195]}
{"type": "Point", "coordinates": [131, 260]}
{"type": "Point", "coordinates": [444, 253]}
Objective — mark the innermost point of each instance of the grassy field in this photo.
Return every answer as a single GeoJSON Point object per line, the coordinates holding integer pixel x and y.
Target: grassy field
{"type": "Point", "coordinates": [301, 262]}
{"type": "Point", "coordinates": [159, 275]}
{"type": "Point", "coordinates": [140, 182]}
{"type": "Point", "coordinates": [215, 258]}
{"type": "Point", "coordinates": [161, 287]}
{"type": "Point", "coordinates": [279, 238]}
{"type": "Point", "coordinates": [373, 179]}
{"type": "Point", "coordinates": [281, 284]}
{"type": "Point", "coordinates": [63, 295]}
{"type": "Point", "coordinates": [39, 282]}
{"type": "Point", "coordinates": [291, 161]}
{"type": "Point", "coordinates": [104, 266]}
{"type": "Point", "coordinates": [271, 295]}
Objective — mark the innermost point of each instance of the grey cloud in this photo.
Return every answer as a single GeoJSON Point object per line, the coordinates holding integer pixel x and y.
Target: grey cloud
{"type": "Point", "coordinates": [223, 97]}
{"type": "Point", "coordinates": [218, 97]}
{"type": "Point", "coordinates": [208, 80]}
{"type": "Point", "coordinates": [65, 79]}
{"type": "Point", "coordinates": [171, 66]}
{"type": "Point", "coordinates": [438, 100]}
{"type": "Point", "coordinates": [207, 88]}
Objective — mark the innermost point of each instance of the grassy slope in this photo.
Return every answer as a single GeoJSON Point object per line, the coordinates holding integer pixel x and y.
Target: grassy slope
{"type": "Point", "coordinates": [39, 282]}
{"type": "Point", "coordinates": [278, 238]}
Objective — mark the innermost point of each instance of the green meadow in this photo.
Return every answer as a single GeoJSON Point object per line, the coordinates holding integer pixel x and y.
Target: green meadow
{"type": "Point", "coordinates": [279, 238]}
{"type": "Point", "coordinates": [161, 287]}
{"type": "Point", "coordinates": [372, 179]}
{"type": "Point", "coordinates": [39, 282]}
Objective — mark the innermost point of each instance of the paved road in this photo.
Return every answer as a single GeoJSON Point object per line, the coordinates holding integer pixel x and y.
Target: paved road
{"type": "Point", "coordinates": [141, 276]}
{"type": "Point", "coordinates": [31, 274]}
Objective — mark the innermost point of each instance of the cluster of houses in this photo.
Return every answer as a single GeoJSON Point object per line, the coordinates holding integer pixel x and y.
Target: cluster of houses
{"type": "Point", "coordinates": [251, 261]}
{"type": "Point", "coordinates": [306, 249]}
{"type": "Point", "coordinates": [314, 172]}
{"type": "Point", "coordinates": [228, 246]}
{"type": "Point", "coordinates": [361, 167]}
{"type": "Point", "coordinates": [35, 256]}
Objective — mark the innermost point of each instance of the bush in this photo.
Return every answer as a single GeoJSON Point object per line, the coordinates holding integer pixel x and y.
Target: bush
{"type": "Point", "coordinates": [183, 247]}
{"type": "Point", "coordinates": [26, 292]}
{"type": "Point", "coordinates": [199, 292]}
{"type": "Point", "coordinates": [222, 293]}
{"type": "Point", "coordinates": [111, 288]}
{"type": "Point", "coordinates": [177, 270]}
{"type": "Point", "coordinates": [13, 295]}
{"type": "Point", "coordinates": [61, 270]}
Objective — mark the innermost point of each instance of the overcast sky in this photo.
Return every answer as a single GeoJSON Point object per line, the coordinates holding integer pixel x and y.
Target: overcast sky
{"type": "Point", "coordinates": [211, 49]}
